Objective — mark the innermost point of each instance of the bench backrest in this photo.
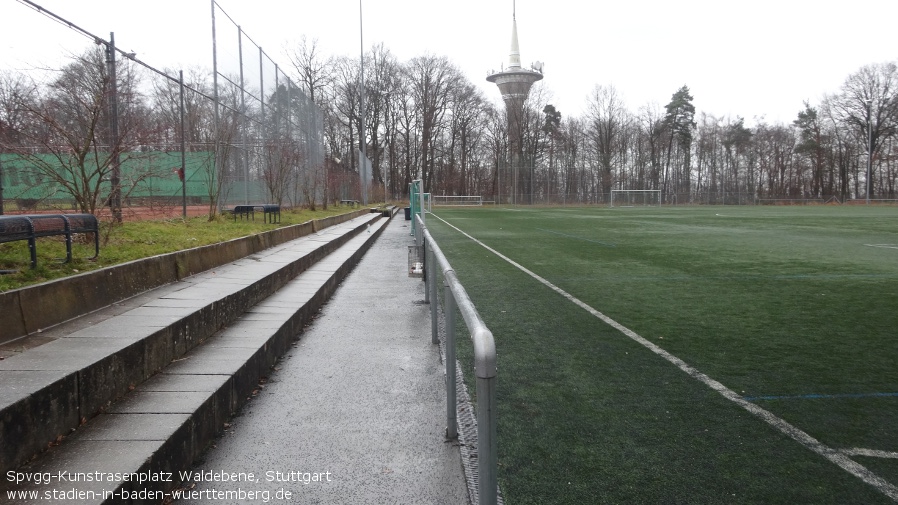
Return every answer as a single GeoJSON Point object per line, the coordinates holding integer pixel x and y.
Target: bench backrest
{"type": "Point", "coordinates": [48, 225]}
{"type": "Point", "coordinates": [31, 227]}
{"type": "Point", "coordinates": [268, 207]}
{"type": "Point", "coordinates": [82, 223]}
{"type": "Point", "coordinates": [14, 228]}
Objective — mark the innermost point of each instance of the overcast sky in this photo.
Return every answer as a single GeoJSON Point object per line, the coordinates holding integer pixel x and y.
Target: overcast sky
{"type": "Point", "coordinates": [752, 59]}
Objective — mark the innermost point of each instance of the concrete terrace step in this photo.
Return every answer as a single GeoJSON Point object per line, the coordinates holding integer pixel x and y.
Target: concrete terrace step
{"type": "Point", "coordinates": [50, 390]}
{"type": "Point", "coordinates": [359, 401]}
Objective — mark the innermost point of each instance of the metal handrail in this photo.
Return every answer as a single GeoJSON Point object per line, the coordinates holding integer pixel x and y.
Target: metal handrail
{"type": "Point", "coordinates": [485, 369]}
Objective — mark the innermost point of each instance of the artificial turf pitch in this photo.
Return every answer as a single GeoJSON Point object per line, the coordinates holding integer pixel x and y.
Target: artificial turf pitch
{"type": "Point", "coordinates": [792, 309]}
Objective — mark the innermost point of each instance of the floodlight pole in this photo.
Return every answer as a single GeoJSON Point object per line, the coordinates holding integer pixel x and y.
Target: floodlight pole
{"type": "Point", "coordinates": [363, 163]}
{"type": "Point", "coordinates": [242, 119]}
{"type": "Point", "coordinates": [869, 147]}
{"type": "Point", "coordinates": [216, 159]}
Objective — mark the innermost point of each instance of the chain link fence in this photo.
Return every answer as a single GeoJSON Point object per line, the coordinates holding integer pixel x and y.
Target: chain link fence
{"type": "Point", "coordinates": [270, 144]}
{"type": "Point", "coordinates": [102, 131]}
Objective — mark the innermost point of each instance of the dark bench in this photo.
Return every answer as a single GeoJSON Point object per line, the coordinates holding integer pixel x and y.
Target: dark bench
{"type": "Point", "coordinates": [32, 227]}
{"type": "Point", "coordinates": [270, 211]}
{"type": "Point", "coordinates": [244, 211]}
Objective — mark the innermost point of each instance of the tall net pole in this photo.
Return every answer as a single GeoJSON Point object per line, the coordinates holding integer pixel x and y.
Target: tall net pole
{"type": "Point", "coordinates": [183, 172]}
{"type": "Point", "coordinates": [115, 197]}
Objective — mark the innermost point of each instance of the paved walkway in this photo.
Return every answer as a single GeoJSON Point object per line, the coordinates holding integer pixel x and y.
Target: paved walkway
{"type": "Point", "coordinates": [355, 413]}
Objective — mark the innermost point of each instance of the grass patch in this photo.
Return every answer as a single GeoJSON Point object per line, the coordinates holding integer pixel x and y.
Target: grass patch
{"type": "Point", "coordinates": [783, 301]}
{"type": "Point", "coordinates": [134, 240]}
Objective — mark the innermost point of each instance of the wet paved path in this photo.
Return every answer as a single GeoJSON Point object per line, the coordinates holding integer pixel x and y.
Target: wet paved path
{"type": "Point", "coordinates": [355, 412]}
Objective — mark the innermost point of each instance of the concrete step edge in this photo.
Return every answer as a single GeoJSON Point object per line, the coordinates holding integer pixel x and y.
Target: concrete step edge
{"type": "Point", "coordinates": [157, 463]}
{"type": "Point", "coordinates": [60, 401]}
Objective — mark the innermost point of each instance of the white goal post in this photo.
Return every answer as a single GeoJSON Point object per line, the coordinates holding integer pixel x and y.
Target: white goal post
{"type": "Point", "coordinates": [635, 198]}
{"type": "Point", "coordinates": [456, 201]}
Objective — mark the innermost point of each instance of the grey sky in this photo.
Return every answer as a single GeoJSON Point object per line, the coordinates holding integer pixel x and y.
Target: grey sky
{"type": "Point", "coordinates": [760, 58]}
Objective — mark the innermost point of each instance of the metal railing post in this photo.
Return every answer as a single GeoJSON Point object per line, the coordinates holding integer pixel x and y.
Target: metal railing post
{"type": "Point", "coordinates": [487, 441]}
{"type": "Point", "coordinates": [426, 259]}
{"type": "Point", "coordinates": [419, 236]}
{"type": "Point", "coordinates": [451, 393]}
{"type": "Point", "coordinates": [430, 266]}
{"type": "Point", "coordinates": [485, 369]}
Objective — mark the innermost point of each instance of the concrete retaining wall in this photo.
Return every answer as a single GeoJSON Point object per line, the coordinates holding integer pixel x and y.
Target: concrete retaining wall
{"type": "Point", "coordinates": [41, 306]}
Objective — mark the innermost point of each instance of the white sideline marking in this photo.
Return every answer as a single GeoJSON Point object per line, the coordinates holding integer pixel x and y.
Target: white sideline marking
{"type": "Point", "coordinates": [840, 458]}
{"type": "Point", "coordinates": [870, 453]}
{"type": "Point", "coordinates": [887, 246]}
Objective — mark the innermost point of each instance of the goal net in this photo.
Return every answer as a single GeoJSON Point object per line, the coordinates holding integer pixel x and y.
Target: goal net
{"type": "Point", "coordinates": [456, 201]}
{"type": "Point", "coordinates": [635, 198]}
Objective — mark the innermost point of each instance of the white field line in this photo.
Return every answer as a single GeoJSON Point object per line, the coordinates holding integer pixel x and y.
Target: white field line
{"type": "Point", "coordinates": [870, 453]}
{"type": "Point", "coordinates": [833, 455]}
{"type": "Point", "coordinates": [887, 246]}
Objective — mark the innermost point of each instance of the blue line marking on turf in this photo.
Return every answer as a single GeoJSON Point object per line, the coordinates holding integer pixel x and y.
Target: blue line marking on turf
{"type": "Point", "coordinates": [606, 244]}
{"type": "Point", "coordinates": [819, 396]}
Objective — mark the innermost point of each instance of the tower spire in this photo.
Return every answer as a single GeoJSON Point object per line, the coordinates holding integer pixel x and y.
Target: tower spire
{"type": "Point", "coordinates": [514, 59]}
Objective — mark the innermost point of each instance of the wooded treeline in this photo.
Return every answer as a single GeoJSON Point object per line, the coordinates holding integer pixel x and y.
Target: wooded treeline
{"type": "Point", "coordinates": [426, 120]}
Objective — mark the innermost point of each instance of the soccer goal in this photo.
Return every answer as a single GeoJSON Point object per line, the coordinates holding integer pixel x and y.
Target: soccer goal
{"type": "Point", "coordinates": [456, 201]}
{"type": "Point", "coordinates": [635, 198]}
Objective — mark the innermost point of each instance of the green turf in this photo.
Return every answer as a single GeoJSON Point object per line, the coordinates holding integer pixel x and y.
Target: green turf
{"type": "Point", "coordinates": [773, 302]}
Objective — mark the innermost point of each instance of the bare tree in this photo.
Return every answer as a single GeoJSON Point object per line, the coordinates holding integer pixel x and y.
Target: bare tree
{"type": "Point", "coordinates": [282, 156]}
{"type": "Point", "coordinates": [432, 80]}
{"type": "Point", "coordinates": [16, 95]}
{"type": "Point", "coordinates": [65, 140]}
{"type": "Point", "coordinates": [315, 71]}
{"type": "Point", "coordinates": [777, 174]}
{"type": "Point", "coordinates": [868, 105]}
{"type": "Point", "coordinates": [534, 145]}
{"type": "Point", "coordinates": [198, 111]}
{"type": "Point", "coordinates": [466, 130]}
{"type": "Point", "coordinates": [15, 91]}
{"type": "Point", "coordinates": [381, 83]}
{"type": "Point", "coordinates": [316, 75]}
{"type": "Point", "coordinates": [496, 131]}
{"type": "Point", "coordinates": [607, 119]}
{"type": "Point", "coordinates": [409, 141]}
{"type": "Point", "coordinates": [651, 129]}
{"type": "Point", "coordinates": [216, 175]}
{"type": "Point", "coordinates": [345, 129]}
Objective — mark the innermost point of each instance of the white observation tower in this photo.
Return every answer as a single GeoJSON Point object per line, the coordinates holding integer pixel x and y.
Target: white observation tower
{"type": "Point", "coordinates": [514, 83]}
